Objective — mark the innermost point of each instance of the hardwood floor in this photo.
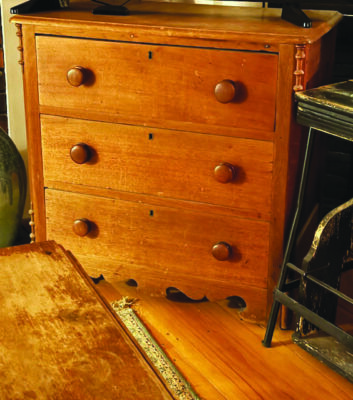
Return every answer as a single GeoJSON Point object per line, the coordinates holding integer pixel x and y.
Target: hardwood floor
{"type": "Point", "coordinates": [222, 356]}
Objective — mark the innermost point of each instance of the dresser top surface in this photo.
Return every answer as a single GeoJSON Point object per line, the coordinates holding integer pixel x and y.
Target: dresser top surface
{"type": "Point", "coordinates": [187, 20]}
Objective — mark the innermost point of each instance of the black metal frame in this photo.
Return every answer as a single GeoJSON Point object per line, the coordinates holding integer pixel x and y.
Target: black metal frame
{"type": "Point", "coordinates": [333, 122]}
{"type": "Point", "coordinates": [279, 292]}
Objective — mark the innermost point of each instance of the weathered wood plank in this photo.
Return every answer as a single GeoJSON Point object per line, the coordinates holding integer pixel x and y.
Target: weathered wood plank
{"type": "Point", "coordinates": [58, 338]}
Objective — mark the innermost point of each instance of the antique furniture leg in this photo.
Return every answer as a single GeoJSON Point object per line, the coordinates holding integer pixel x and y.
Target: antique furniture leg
{"type": "Point", "coordinates": [292, 234]}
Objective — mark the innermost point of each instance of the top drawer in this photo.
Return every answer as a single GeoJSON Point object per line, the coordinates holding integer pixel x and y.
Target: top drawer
{"type": "Point", "coordinates": [145, 83]}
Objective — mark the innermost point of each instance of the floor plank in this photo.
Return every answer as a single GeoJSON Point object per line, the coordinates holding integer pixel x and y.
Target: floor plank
{"type": "Point", "coordinates": [222, 356]}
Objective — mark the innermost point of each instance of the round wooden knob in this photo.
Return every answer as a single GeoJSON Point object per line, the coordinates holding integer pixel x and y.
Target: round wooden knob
{"type": "Point", "coordinates": [224, 172]}
{"type": "Point", "coordinates": [222, 251]}
{"type": "Point", "coordinates": [76, 76]}
{"type": "Point", "coordinates": [225, 91]}
{"type": "Point", "coordinates": [81, 227]}
{"type": "Point", "coordinates": [80, 153]}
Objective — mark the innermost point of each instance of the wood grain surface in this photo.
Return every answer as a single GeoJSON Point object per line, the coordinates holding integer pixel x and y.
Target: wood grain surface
{"type": "Point", "coordinates": [131, 240]}
{"type": "Point", "coordinates": [194, 21]}
{"type": "Point", "coordinates": [59, 339]}
{"type": "Point", "coordinates": [163, 163]}
{"type": "Point", "coordinates": [146, 83]}
{"type": "Point", "coordinates": [222, 356]}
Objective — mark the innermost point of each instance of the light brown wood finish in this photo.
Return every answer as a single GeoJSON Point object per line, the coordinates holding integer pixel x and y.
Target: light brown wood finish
{"type": "Point", "coordinates": [157, 197]}
{"type": "Point", "coordinates": [142, 234]}
{"type": "Point", "coordinates": [160, 162]}
{"type": "Point", "coordinates": [222, 356]}
{"type": "Point", "coordinates": [158, 83]}
{"type": "Point", "coordinates": [35, 174]}
{"type": "Point", "coordinates": [59, 338]}
{"type": "Point", "coordinates": [245, 28]}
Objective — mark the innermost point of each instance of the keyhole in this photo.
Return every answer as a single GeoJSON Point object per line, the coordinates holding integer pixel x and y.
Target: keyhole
{"type": "Point", "coordinates": [150, 55]}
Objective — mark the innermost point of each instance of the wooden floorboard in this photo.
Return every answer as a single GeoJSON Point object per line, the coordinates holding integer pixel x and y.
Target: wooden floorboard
{"type": "Point", "coordinates": [222, 356]}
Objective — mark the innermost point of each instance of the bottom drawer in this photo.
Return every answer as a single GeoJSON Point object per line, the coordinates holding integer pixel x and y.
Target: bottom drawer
{"type": "Point", "coordinates": [174, 246]}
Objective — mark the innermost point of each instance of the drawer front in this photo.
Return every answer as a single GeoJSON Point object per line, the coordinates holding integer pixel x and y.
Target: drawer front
{"type": "Point", "coordinates": [158, 83]}
{"type": "Point", "coordinates": [206, 168]}
{"type": "Point", "coordinates": [131, 240]}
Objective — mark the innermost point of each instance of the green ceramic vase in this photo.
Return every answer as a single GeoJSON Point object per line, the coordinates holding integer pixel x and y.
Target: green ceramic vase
{"type": "Point", "coordinates": [13, 186]}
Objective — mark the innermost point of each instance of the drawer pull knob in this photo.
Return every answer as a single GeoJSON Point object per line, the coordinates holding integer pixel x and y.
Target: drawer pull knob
{"type": "Point", "coordinates": [225, 91]}
{"type": "Point", "coordinates": [80, 153]}
{"type": "Point", "coordinates": [224, 172]}
{"type": "Point", "coordinates": [222, 251]}
{"type": "Point", "coordinates": [76, 76]}
{"type": "Point", "coordinates": [81, 227]}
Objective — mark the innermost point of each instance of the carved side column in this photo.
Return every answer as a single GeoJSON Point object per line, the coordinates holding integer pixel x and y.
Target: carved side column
{"type": "Point", "coordinates": [20, 47]}
{"type": "Point", "coordinates": [299, 72]}
{"type": "Point", "coordinates": [32, 235]}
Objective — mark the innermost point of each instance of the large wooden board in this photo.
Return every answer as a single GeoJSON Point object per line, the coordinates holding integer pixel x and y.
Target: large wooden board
{"type": "Point", "coordinates": [58, 339]}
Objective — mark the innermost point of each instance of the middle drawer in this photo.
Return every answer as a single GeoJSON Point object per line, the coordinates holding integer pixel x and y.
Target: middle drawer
{"type": "Point", "coordinates": [219, 170]}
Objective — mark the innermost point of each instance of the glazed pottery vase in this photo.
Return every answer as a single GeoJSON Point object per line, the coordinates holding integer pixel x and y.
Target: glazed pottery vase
{"type": "Point", "coordinates": [13, 186]}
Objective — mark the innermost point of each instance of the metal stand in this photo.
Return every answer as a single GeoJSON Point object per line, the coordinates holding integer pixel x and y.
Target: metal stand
{"type": "Point", "coordinates": [282, 286]}
{"type": "Point", "coordinates": [328, 109]}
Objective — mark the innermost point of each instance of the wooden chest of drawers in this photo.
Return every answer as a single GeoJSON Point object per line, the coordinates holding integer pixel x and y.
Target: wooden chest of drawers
{"type": "Point", "coordinates": [163, 146]}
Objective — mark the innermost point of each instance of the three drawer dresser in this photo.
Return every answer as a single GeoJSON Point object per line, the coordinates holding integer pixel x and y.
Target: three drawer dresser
{"type": "Point", "coordinates": [163, 146]}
